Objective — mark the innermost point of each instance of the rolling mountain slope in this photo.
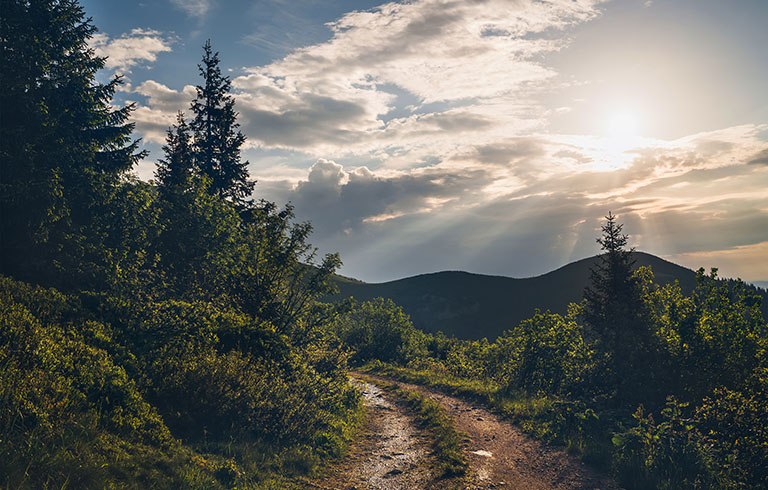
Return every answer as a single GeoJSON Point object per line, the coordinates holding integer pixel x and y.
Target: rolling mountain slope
{"type": "Point", "coordinates": [472, 306]}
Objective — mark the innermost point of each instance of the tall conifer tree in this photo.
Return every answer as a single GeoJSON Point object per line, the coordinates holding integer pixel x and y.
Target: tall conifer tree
{"type": "Point", "coordinates": [611, 280]}
{"type": "Point", "coordinates": [217, 138]}
{"type": "Point", "coordinates": [174, 172]}
{"type": "Point", "coordinates": [63, 148]}
{"type": "Point", "coordinates": [615, 312]}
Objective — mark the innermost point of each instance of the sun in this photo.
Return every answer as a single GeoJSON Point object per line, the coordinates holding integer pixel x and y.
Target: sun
{"type": "Point", "coordinates": [622, 130]}
{"type": "Point", "coordinates": [622, 124]}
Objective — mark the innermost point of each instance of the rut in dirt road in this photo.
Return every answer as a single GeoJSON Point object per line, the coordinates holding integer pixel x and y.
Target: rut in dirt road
{"type": "Point", "coordinates": [390, 453]}
{"type": "Point", "coordinates": [502, 456]}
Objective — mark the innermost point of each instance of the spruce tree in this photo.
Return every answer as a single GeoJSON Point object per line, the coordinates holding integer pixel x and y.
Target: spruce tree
{"type": "Point", "coordinates": [174, 174]}
{"type": "Point", "coordinates": [217, 138]}
{"type": "Point", "coordinates": [611, 280]}
{"type": "Point", "coordinates": [63, 147]}
{"type": "Point", "coordinates": [615, 313]}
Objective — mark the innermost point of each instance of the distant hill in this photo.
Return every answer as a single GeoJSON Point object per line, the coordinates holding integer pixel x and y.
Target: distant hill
{"type": "Point", "coordinates": [473, 306]}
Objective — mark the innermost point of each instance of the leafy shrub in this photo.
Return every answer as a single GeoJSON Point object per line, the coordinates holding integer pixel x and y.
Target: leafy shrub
{"type": "Point", "coordinates": [545, 353]}
{"type": "Point", "coordinates": [666, 455]}
{"type": "Point", "coordinates": [379, 329]}
{"type": "Point", "coordinates": [734, 425]}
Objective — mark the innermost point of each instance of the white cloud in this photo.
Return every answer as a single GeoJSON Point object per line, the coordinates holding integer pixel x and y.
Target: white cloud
{"type": "Point", "coordinates": [140, 46]}
{"type": "Point", "coordinates": [159, 113]}
{"type": "Point", "coordinates": [429, 148]}
{"type": "Point", "coordinates": [537, 202]}
{"type": "Point", "coordinates": [478, 61]}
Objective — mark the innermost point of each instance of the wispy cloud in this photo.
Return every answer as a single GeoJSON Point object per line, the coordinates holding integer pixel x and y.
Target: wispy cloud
{"type": "Point", "coordinates": [537, 201]}
{"type": "Point", "coordinates": [194, 8]}
{"type": "Point", "coordinates": [760, 158]}
{"type": "Point", "coordinates": [470, 66]}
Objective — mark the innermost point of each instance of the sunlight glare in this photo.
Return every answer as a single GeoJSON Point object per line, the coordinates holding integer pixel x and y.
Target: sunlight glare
{"type": "Point", "coordinates": [622, 124]}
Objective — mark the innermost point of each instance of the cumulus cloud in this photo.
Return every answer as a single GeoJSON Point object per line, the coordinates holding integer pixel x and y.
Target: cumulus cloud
{"type": "Point", "coordinates": [338, 201]}
{"type": "Point", "coordinates": [413, 140]}
{"type": "Point", "coordinates": [159, 112]}
{"type": "Point", "coordinates": [691, 196]}
{"type": "Point", "coordinates": [139, 47]}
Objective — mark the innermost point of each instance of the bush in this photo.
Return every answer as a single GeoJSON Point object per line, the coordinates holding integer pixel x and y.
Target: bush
{"type": "Point", "coordinates": [379, 329]}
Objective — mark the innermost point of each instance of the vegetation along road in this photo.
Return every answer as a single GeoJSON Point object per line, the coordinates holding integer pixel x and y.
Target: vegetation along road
{"type": "Point", "coordinates": [393, 450]}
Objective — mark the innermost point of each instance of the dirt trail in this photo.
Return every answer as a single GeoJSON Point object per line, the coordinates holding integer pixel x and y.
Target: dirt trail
{"type": "Point", "coordinates": [502, 456]}
{"type": "Point", "coordinates": [390, 454]}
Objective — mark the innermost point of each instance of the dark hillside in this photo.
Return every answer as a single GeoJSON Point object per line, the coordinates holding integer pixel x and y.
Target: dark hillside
{"type": "Point", "coordinates": [472, 306]}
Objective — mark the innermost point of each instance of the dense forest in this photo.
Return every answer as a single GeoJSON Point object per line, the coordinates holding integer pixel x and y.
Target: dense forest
{"type": "Point", "coordinates": [172, 333]}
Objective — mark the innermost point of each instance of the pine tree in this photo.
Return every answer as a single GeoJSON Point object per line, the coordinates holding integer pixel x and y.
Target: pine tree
{"type": "Point", "coordinates": [63, 148]}
{"type": "Point", "coordinates": [615, 313]}
{"type": "Point", "coordinates": [217, 138]}
{"type": "Point", "coordinates": [611, 281]}
{"type": "Point", "coordinates": [198, 232]}
{"type": "Point", "coordinates": [174, 174]}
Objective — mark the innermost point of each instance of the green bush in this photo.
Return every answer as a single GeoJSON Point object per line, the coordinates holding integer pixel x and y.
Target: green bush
{"type": "Point", "coordinates": [379, 329]}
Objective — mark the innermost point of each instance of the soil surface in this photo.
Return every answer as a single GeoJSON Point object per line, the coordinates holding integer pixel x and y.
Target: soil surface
{"type": "Point", "coordinates": [390, 453]}
{"type": "Point", "coordinates": [500, 455]}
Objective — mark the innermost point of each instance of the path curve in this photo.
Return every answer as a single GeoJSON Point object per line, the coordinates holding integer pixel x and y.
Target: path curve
{"type": "Point", "coordinates": [501, 455]}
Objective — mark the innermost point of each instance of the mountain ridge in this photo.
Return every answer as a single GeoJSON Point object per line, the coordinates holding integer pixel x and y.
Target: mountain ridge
{"type": "Point", "coordinates": [472, 306]}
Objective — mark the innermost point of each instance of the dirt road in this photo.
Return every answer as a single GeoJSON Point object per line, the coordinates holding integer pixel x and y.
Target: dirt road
{"type": "Point", "coordinates": [393, 454]}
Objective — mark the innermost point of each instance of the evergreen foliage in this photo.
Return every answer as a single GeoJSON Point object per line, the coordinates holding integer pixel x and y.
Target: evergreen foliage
{"type": "Point", "coordinates": [185, 346]}
{"type": "Point", "coordinates": [614, 312]}
{"type": "Point", "coordinates": [63, 148]}
{"type": "Point", "coordinates": [664, 389]}
{"type": "Point", "coordinates": [217, 139]}
{"type": "Point", "coordinates": [174, 174]}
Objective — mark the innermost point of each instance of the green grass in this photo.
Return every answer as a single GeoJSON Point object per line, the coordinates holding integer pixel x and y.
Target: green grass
{"type": "Point", "coordinates": [446, 445]}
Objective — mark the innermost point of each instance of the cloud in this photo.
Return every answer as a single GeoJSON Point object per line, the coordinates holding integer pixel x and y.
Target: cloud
{"type": "Point", "coordinates": [414, 140]}
{"type": "Point", "coordinates": [747, 262]}
{"type": "Point", "coordinates": [340, 201]}
{"type": "Point", "coordinates": [760, 158]}
{"type": "Point", "coordinates": [472, 67]}
{"type": "Point", "coordinates": [193, 8]}
{"type": "Point", "coordinates": [155, 116]}
{"type": "Point", "coordinates": [139, 47]}
{"type": "Point", "coordinates": [528, 205]}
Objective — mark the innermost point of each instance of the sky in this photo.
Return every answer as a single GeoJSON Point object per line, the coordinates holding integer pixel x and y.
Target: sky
{"type": "Point", "coordinates": [490, 136]}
